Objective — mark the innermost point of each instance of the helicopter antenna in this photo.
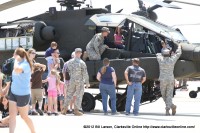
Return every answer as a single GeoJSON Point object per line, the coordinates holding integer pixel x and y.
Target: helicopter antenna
{"type": "Point", "coordinates": [91, 3]}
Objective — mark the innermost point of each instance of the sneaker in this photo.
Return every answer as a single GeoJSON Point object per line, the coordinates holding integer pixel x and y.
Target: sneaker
{"type": "Point", "coordinates": [48, 113]}
{"type": "Point", "coordinates": [135, 114]}
{"type": "Point", "coordinates": [127, 113]}
{"type": "Point", "coordinates": [114, 113]}
{"type": "Point", "coordinates": [105, 113]}
{"type": "Point", "coordinates": [40, 112]}
{"type": "Point", "coordinates": [55, 113]}
{"type": "Point", "coordinates": [69, 111]}
{"type": "Point", "coordinates": [29, 112]}
{"type": "Point", "coordinates": [34, 113]}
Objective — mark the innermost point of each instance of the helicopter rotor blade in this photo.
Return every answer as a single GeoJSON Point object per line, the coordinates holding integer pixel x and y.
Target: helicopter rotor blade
{"type": "Point", "coordinates": [184, 2]}
{"type": "Point", "coordinates": [119, 11]}
{"type": "Point", "coordinates": [161, 4]}
{"type": "Point", "coordinates": [12, 3]}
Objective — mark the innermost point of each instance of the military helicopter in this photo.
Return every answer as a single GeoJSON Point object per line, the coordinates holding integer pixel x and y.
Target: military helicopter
{"type": "Point", "coordinates": [72, 28]}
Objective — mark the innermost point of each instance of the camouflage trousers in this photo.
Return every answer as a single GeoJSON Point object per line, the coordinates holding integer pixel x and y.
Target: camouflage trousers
{"type": "Point", "coordinates": [74, 88]}
{"type": "Point", "coordinates": [93, 55]}
{"type": "Point", "coordinates": [167, 88]}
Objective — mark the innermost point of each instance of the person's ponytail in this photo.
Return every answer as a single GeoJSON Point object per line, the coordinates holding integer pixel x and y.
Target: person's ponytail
{"type": "Point", "coordinates": [106, 62]}
{"type": "Point", "coordinates": [103, 69]}
{"type": "Point", "coordinates": [28, 59]}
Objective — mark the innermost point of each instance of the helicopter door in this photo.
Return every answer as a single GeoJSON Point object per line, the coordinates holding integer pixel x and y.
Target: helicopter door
{"type": "Point", "coordinates": [157, 28]}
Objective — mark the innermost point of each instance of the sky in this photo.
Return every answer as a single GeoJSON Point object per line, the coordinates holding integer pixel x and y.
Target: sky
{"type": "Point", "coordinates": [187, 15]}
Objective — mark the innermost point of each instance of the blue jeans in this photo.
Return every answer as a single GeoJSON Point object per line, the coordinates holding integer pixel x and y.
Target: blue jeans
{"type": "Point", "coordinates": [106, 90]}
{"type": "Point", "coordinates": [136, 90]}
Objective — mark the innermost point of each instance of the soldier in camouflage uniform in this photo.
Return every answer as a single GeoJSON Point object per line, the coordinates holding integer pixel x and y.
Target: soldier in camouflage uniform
{"type": "Point", "coordinates": [96, 46]}
{"type": "Point", "coordinates": [78, 76]}
{"type": "Point", "coordinates": [166, 78]}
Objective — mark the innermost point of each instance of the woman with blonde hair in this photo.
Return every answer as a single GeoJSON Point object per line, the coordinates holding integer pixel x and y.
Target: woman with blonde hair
{"type": "Point", "coordinates": [107, 77]}
{"type": "Point", "coordinates": [20, 90]}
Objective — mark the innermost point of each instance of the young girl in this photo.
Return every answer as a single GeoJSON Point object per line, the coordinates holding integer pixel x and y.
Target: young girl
{"type": "Point", "coordinates": [4, 122]}
{"type": "Point", "coordinates": [118, 39]}
{"type": "Point", "coordinates": [62, 93]}
{"type": "Point", "coordinates": [53, 88]}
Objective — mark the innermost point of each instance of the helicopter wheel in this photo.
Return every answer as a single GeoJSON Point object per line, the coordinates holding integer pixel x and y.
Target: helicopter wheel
{"type": "Point", "coordinates": [193, 94]}
{"type": "Point", "coordinates": [119, 106]}
{"type": "Point", "coordinates": [88, 102]}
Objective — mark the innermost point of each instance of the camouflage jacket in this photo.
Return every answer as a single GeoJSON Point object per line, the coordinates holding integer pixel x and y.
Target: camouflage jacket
{"type": "Point", "coordinates": [97, 44]}
{"type": "Point", "coordinates": [78, 71]}
{"type": "Point", "coordinates": [166, 65]}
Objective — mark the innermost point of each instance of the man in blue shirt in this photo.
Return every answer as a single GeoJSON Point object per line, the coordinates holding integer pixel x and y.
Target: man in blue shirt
{"type": "Point", "coordinates": [135, 76]}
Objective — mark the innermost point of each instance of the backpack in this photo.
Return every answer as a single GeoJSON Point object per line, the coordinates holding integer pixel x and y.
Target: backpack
{"type": "Point", "coordinates": [7, 66]}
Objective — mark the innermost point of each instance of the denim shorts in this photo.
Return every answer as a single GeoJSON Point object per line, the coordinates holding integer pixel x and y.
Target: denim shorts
{"type": "Point", "coordinates": [21, 101]}
{"type": "Point", "coordinates": [60, 97]}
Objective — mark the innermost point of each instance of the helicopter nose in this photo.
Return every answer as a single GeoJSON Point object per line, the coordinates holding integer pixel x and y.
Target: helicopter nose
{"type": "Point", "coordinates": [196, 54]}
{"type": "Point", "coordinates": [190, 52]}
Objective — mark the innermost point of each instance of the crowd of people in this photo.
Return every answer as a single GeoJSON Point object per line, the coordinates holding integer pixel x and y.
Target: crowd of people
{"type": "Point", "coordinates": [20, 94]}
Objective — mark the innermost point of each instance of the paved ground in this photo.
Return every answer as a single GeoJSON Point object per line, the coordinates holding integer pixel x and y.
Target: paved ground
{"type": "Point", "coordinates": [151, 119]}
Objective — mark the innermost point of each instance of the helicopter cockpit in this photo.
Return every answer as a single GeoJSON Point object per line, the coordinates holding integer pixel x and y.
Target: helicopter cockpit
{"type": "Point", "coordinates": [142, 37]}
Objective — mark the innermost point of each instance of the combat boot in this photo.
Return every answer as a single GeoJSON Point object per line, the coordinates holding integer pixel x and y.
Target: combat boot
{"type": "Point", "coordinates": [167, 112]}
{"type": "Point", "coordinates": [64, 111]}
{"type": "Point", "coordinates": [173, 109]}
{"type": "Point", "coordinates": [77, 112]}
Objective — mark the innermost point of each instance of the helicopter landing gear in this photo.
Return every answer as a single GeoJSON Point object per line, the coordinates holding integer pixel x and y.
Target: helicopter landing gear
{"type": "Point", "coordinates": [88, 102]}
{"type": "Point", "coordinates": [120, 102]}
{"type": "Point", "coordinates": [193, 94]}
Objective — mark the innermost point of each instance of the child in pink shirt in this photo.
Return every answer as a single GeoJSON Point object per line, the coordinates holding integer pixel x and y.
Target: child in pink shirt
{"type": "Point", "coordinates": [118, 39]}
{"type": "Point", "coordinates": [53, 90]}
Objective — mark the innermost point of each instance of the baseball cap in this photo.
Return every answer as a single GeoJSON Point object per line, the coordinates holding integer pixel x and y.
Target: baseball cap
{"type": "Point", "coordinates": [105, 29]}
{"type": "Point", "coordinates": [78, 50]}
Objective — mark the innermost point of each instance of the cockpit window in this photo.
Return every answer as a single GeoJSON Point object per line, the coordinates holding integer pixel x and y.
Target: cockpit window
{"type": "Point", "coordinates": [111, 18]}
{"type": "Point", "coordinates": [158, 28]}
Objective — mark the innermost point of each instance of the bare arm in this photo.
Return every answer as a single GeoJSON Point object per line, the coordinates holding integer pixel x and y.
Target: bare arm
{"type": "Point", "coordinates": [143, 80]}
{"type": "Point", "coordinates": [17, 68]}
{"type": "Point", "coordinates": [44, 81]}
{"type": "Point", "coordinates": [114, 78]}
{"type": "Point", "coordinates": [41, 65]}
{"type": "Point", "coordinates": [3, 91]}
{"type": "Point", "coordinates": [126, 77]}
{"type": "Point", "coordinates": [99, 76]}
{"type": "Point", "coordinates": [58, 89]}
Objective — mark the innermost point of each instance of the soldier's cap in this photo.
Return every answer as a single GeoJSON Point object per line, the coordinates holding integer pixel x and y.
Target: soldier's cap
{"type": "Point", "coordinates": [137, 60]}
{"type": "Point", "coordinates": [78, 50]}
{"type": "Point", "coordinates": [105, 29]}
{"type": "Point", "coordinates": [165, 52]}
